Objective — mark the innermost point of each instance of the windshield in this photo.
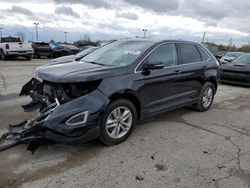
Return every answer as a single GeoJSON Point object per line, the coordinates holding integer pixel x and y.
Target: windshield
{"type": "Point", "coordinates": [243, 59]}
{"type": "Point", "coordinates": [118, 53]}
{"type": "Point", "coordinates": [86, 51]}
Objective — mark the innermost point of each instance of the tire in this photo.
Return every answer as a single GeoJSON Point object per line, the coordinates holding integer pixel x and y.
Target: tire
{"type": "Point", "coordinates": [119, 130]}
{"type": "Point", "coordinates": [206, 97]}
{"type": "Point", "coordinates": [50, 56]}
{"type": "Point", "coordinates": [28, 58]}
{"type": "Point", "coordinates": [3, 56]}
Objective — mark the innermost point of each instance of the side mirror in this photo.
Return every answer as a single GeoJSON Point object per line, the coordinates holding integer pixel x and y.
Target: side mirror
{"type": "Point", "coordinates": [153, 65]}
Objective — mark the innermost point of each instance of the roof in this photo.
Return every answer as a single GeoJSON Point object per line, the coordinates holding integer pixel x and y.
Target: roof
{"type": "Point", "coordinates": [157, 40]}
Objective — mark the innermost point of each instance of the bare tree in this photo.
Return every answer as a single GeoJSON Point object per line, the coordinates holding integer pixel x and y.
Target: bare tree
{"type": "Point", "coordinates": [86, 38]}
{"type": "Point", "coordinates": [21, 35]}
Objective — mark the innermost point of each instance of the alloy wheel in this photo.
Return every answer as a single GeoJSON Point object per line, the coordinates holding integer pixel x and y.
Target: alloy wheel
{"type": "Point", "coordinates": [119, 122]}
{"type": "Point", "coordinates": [207, 97]}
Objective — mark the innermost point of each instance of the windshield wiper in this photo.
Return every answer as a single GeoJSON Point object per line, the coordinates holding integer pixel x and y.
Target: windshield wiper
{"type": "Point", "coordinates": [96, 63]}
{"type": "Point", "coordinates": [92, 62]}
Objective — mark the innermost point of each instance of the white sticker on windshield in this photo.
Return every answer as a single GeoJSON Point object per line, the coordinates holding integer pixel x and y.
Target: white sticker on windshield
{"type": "Point", "coordinates": [132, 52]}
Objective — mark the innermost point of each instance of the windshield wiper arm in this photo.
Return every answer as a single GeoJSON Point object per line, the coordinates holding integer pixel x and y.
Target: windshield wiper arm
{"type": "Point", "coordinates": [92, 62]}
{"type": "Point", "coordinates": [107, 65]}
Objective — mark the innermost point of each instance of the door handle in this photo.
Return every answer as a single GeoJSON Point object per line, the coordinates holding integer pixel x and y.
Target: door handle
{"type": "Point", "coordinates": [177, 72]}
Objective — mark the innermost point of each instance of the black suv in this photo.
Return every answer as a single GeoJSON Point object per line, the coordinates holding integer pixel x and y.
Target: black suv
{"type": "Point", "coordinates": [106, 92]}
{"type": "Point", "coordinates": [42, 49]}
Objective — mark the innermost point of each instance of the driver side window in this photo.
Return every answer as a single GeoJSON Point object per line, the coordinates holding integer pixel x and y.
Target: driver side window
{"type": "Point", "coordinates": [165, 53]}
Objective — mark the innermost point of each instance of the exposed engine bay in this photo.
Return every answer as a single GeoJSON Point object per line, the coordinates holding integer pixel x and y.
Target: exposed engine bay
{"type": "Point", "coordinates": [45, 93]}
{"type": "Point", "coordinates": [47, 97]}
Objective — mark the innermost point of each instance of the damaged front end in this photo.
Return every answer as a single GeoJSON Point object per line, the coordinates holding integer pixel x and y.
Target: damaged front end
{"type": "Point", "coordinates": [68, 112]}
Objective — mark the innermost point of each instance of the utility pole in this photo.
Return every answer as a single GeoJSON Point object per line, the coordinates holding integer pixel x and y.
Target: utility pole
{"type": "Point", "coordinates": [36, 24]}
{"type": "Point", "coordinates": [229, 44]}
{"type": "Point", "coordinates": [65, 36]}
{"type": "Point", "coordinates": [32, 36]}
{"type": "Point", "coordinates": [1, 34]}
{"type": "Point", "coordinates": [203, 38]}
{"type": "Point", "coordinates": [144, 33]}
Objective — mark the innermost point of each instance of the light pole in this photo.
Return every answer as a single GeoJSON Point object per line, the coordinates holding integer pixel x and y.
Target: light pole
{"type": "Point", "coordinates": [229, 44]}
{"type": "Point", "coordinates": [203, 38]}
{"type": "Point", "coordinates": [1, 34]}
{"type": "Point", "coordinates": [36, 24]}
{"type": "Point", "coordinates": [144, 33]}
{"type": "Point", "coordinates": [65, 36]}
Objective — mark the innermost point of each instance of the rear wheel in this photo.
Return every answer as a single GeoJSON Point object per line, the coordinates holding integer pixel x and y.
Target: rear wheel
{"type": "Point", "coordinates": [118, 122]}
{"type": "Point", "coordinates": [206, 97]}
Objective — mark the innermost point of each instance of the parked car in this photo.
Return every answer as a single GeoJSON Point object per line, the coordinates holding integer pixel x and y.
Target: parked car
{"type": "Point", "coordinates": [70, 58]}
{"type": "Point", "coordinates": [13, 46]}
{"type": "Point", "coordinates": [229, 57]}
{"type": "Point", "coordinates": [42, 49]}
{"type": "Point", "coordinates": [221, 54]}
{"type": "Point", "coordinates": [213, 49]}
{"type": "Point", "coordinates": [109, 90]}
{"type": "Point", "coordinates": [59, 50]}
{"type": "Point", "coordinates": [237, 72]}
{"type": "Point", "coordinates": [81, 48]}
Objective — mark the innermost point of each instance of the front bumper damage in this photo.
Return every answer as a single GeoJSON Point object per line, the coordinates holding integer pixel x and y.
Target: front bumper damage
{"type": "Point", "coordinates": [59, 120]}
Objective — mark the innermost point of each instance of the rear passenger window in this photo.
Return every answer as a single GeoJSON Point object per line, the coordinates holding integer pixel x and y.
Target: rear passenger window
{"type": "Point", "coordinates": [189, 53]}
{"type": "Point", "coordinates": [204, 56]}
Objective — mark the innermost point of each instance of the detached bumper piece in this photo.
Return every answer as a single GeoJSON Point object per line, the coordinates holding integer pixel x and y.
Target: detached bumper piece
{"type": "Point", "coordinates": [29, 132]}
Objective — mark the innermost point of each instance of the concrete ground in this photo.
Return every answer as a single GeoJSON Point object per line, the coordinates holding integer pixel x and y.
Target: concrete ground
{"type": "Point", "coordinates": [182, 148]}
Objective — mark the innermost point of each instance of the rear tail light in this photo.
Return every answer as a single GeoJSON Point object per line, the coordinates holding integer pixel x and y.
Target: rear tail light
{"type": "Point", "coordinates": [7, 46]}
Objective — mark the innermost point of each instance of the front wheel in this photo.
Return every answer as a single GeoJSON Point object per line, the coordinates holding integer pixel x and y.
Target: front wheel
{"type": "Point", "coordinates": [3, 57]}
{"type": "Point", "coordinates": [206, 97]}
{"type": "Point", "coordinates": [118, 122]}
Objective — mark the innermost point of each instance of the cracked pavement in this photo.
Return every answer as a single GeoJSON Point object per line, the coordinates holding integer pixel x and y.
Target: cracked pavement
{"type": "Point", "coordinates": [182, 148]}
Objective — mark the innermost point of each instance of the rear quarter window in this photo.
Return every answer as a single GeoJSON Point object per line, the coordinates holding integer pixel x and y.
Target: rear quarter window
{"type": "Point", "coordinates": [189, 54]}
{"type": "Point", "coordinates": [204, 56]}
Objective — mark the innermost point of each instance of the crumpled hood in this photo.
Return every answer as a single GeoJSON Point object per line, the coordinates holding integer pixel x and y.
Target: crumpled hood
{"type": "Point", "coordinates": [64, 59]}
{"type": "Point", "coordinates": [77, 71]}
{"type": "Point", "coordinates": [236, 67]}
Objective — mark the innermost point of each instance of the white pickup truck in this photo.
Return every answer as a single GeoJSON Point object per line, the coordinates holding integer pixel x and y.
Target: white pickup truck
{"type": "Point", "coordinates": [13, 46]}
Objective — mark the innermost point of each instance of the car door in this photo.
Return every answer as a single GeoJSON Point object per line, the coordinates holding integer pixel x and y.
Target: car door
{"type": "Point", "coordinates": [194, 65]}
{"type": "Point", "coordinates": [160, 91]}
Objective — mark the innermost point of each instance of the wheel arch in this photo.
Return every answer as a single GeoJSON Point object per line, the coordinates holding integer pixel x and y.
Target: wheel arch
{"type": "Point", "coordinates": [214, 82]}
{"type": "Point", "coordinates": [129, 96]}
